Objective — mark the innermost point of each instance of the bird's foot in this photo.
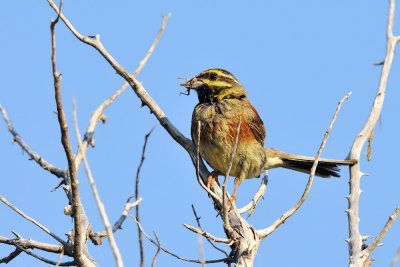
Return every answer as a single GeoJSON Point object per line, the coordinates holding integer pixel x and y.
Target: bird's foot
{"type": "Point", "coordinates": [212, 176]}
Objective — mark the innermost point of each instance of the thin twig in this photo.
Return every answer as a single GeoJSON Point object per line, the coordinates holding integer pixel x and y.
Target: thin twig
{"type": "Point", "coordinates": [251, 206]}
{"type": "Point", "coordinates": [383, 232]}
{"type": "Point", "coordinates": [172, 254]}
{"type": "Point", "coordinates": [201, 249]}
{"type": "Point", "coordinates": [117, 225]}
{"type": "Point", "coordinates": [207, 235]}
{"type": "Point", "coordinates": [99, 203]}
{"type": "Point", "coordinates": [32, 154]}
{"type": "Point", "coordinates": [158, 249]}
{"type": "Point", "coordinates": [59, 258]}
{"type": "Point", "coordinates": [69, 263]}
{"type": "Point", "coordinates": [396, 258]}
{"type": "Point", "coordinates": [5, 201]}
{"type": "Point", "coordinates": [227, 226]}
{"type": "Point", "coordinates": [207, 238]}
{"type": "Point", "coordinates": [143, 157]}
{"type": "Point", "coordinates": [150, 51]}
{"type": "Point", "coordinates": [97, 114]}
{"type": "Point", "coordinates": [78, 237]}
{"type": "Point", "coordinates": [265, 232]}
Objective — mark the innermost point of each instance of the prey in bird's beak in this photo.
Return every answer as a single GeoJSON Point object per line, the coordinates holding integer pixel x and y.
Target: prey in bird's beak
{"type": "Point", "coordinates": [192, 84]}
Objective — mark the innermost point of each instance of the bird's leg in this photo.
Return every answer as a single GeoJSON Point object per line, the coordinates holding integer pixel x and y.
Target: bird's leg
{"type": "Point", "coordinates": [237, 182]}
{"type": "Point", "coordinates": [212, 176]}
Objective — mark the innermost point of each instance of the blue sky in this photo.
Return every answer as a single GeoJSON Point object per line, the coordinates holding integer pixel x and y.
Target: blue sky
{"type": "Point", "coordinates": [297, 59]}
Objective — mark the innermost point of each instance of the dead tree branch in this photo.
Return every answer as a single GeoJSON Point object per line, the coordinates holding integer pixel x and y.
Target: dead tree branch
{"type": "Point", "coordinates": [99, 203]}
{"type": "Point", "coordinates": [267, 231]}
{"type": "Point", "coordinates": [79, 238]}
{"type": "Point", "coordinates": [173, 254]}
{"type": "Point", "coordinates": [98, 113]}
{"type": "Point", "coordinates": [32, 154]}
{"type": "Point", "coordinates": [357, 257]}
{"type": "Point", "coordinates": [251, 206]}
{"type": "Point", "coordinates": [118, 224]}
{"type": "Point", "coordinates": [65, 244]}
{"type": "Point", "coordinates": [143, 157]}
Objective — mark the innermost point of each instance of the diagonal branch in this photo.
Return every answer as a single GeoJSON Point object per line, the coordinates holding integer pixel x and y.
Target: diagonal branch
{"type": "Point", "coordinates": [251, 206]}
{"type": "Point", "coordinates": [69, 263]}
{"type": "Point", "coordinates": [36, 157]}
{"type": "Point", "coordinates": [207, 238]}
{"type": "Point", "coordinates": [385, 229]}
{"type": "Point", "coordinates": [65, 244]}
{"type": "Point", "coordinates": [12, 255]}
{"type": "Point", "coordinates": [265, 232]}
{"type": "Point", "coordinates": [207, 235]}
{"type": "Point", "coordinates": [173, 254]}
{"type": "Point", "coordinates": [100, 205]}
{"type": "Point", "coordinates": [98, 113]}
{"type": "Point", "coordinates": [117, 225]}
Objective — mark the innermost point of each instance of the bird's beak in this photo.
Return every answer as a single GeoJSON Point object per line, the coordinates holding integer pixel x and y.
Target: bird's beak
{"type": "Point", "coordinates": [193, 83]}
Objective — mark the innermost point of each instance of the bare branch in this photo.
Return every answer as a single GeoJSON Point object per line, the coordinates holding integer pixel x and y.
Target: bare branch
{"type": "Point", "coordinates": [28, 243]}
{"type": "Point", "coordinates": [172, 254]}
{"type": "Point", "coordinates": [137, 193]}
{"type": "Point", "coordinates": [150, 51]}
{"type": "Point", "coordinates": [10, 257]}
{"type": "Point", "coordinates": [5, 201]}
{"type": "Point", "coordinates": [265, 232]}
{"type": "Point", "coordinates": [99, 203]}
{"type": "Point", "coordinates": [78, 237]}
{"type": "Point", "coordinates": [158, 249]}
{"type": "Point", "coordinates": [380, 236]}
{"type": "Point", "coordinates": [396, 258]}
{"type": "Point", "coordinates": [98, 113]}
{"type": "Point", "coordinates": [33, 155]}
{"type": "Point", "coordinates": [118, 225]}
{"type": "Point", "coordinates": [207, 238]}
{"type": "Point", "coordinates": [59, 258]}
{"type": "Point", "coordinates": [69, 263]}
{"type": "Point", "coordinates": [355, 238]}
{"type": "Point", "coordinates": [207, 235]}
{"type": "Point", "coordinates": [251, 206]}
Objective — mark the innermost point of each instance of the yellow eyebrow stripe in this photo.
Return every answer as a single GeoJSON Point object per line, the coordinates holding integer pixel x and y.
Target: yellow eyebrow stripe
{"type": "Point", "coordinates": [219, 73]}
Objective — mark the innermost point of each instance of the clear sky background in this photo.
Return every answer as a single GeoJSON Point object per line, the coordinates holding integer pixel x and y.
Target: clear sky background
{"type": "Point", "coordinates": [297, 59]}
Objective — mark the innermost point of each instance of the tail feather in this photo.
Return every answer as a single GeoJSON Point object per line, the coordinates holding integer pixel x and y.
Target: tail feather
{"type": "Point", "coordinates": [325, 168]}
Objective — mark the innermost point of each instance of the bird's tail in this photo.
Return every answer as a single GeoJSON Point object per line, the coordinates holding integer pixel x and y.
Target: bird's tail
{"type": "Point", "coordinates": [325, 168]}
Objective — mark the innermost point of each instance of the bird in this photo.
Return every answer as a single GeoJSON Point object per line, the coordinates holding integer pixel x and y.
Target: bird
{"type": "Point", "coordinates": [223, 102]}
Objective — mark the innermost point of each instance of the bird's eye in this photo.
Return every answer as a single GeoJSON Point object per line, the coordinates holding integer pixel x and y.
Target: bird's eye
{"type": "Point", "coordinates": [213, 76]}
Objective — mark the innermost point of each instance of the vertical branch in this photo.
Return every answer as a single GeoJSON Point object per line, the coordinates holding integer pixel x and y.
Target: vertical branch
{"type": "Point", "coordinates": [137, 194]}
{"type": "Point", "coordinates": [67, 147]}
{"type": "Point", "coordinates": [355, 238]}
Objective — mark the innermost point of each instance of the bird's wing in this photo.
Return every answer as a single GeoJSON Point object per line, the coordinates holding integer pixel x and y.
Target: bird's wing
{"type": "Point", "coordinates": [256, 124]}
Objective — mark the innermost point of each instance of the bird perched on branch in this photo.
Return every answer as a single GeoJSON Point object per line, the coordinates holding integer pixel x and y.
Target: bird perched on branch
{"type": "Point", "coordinates": [222, 101]}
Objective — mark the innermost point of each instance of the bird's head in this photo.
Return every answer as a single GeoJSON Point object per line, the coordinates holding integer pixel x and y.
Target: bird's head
{"type": "Point", "coordinates": [214, 85]}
